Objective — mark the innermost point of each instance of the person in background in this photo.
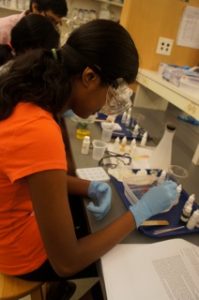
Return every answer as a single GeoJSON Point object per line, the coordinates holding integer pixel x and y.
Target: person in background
{"type": "Point", "coordinates": [53, 9]}
{"type": "Point", "coordinates": [34, 184]}
{"type": "Point", "coordinates": [31, 32]}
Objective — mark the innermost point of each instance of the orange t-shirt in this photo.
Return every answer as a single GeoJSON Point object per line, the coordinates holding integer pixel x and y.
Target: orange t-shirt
{"type": "Point", "coordinates": [30, 142]}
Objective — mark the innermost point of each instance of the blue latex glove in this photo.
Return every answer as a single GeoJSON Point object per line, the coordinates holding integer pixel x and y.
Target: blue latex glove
{"type": "Point", "coordinates": [155, 201]}
{"type": "Point", "coordinates": [101, 193]}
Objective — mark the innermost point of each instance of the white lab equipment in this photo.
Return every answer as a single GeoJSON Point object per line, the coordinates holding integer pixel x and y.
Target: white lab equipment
{"type": "Point", "coordinates": [194, 220]}
{"type": "Point", "coordinates": [162, 154]}
{"type": "Point", "coordinates": [186, 213]}
{"type": "Point", "coordinates": [162, 177]}
{"type": "Point", "coordinates": [123, 143]}
{"type": "Point", "coordinates": [136, 130]}
{"type": "Point", "coordinates": [179, 190]}
{"type": "Point", "coordinates": [124, 116]}
{"type": "Point", "coordinates": [144, 139]}
{"type": "Point", "coordinates": [128, 119]}
{"type": "Point", "coordinates": [190, 200]}
{"type": "Point", "coordinates": [195, 159]}
{"type": "Point", "coordinates": [85, 145]}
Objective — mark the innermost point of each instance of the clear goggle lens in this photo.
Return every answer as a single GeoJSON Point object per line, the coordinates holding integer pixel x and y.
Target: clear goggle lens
{"type": "Point", "coordinates": [118, 99]}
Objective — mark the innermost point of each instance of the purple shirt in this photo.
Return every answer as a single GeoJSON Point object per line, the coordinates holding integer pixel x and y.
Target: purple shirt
{"type": "Point", "coordinates": [6, 25]}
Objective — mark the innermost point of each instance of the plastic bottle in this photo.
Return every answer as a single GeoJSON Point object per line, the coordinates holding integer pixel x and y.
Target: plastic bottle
{"type": "Point", "coordinates": [194, 220]}
{"type": "Point", "coordinates": [124, 116]}
{"type": "Point", "coordinates": [144, 139]}
{"type": "Point", "coordinates": [195, 159]}
{"type": "Point", "coordinates": [179, 190]}
{"type": "Point", "coordinates": [82, 130]}
{"type": "Point", "coordinates": [104, 12]}
{"type": "Point", "coordinates": [136, 130]}
{"type": "Point", "coordinates": [85, 145]}
{"type": "Point", "coordinates": [128, 119]}
{"type": "Point", "coordinates": [190, 200]}
{"type": "Point", "coordinates": [186, 213]}
{"type": "Point", "coordinates": [188, 207]}
{"type": "Point", "coordinates": [162, 154]}
{"type": "Point", "coordinates": [123, 144]}
{"type": "Point", "coordinates": [162, 177]}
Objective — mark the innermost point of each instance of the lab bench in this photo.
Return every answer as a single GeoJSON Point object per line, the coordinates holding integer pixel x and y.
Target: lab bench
{"type": "Point", "coordinates": [154, 121]}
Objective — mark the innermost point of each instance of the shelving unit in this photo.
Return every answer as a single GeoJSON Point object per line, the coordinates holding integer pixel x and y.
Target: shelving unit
{"type": "Point", "coordinates": [155, 92]}
{"type": "Point", "coordinates": [10, 8]}
{"type": "Point", "coordinates": [111, 3]}
{"type": "Point", "coordinates": [86, 3]}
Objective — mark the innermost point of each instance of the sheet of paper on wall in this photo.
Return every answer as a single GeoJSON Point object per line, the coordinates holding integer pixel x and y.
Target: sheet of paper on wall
{"type": "Point", "coordinates": [164, 270]}
{"type": "Point", "coordinates": [188, 32]}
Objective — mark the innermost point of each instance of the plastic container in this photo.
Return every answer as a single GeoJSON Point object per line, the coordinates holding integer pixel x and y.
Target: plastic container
{"type": "Point", "coordinates": [85, 145]}
{"type": "Point", "coordinates": [104, 12]}
{"type": "Point", "coordinates": [99, 148]}
{"type": "Point", "coordinates": [107, 130]}
{"type": "Point", "coordinates": [162, 154]}
{"type": "Point", "coordinates": [82, 131]}
{"type": "Point", "coordinates": [177, 173]}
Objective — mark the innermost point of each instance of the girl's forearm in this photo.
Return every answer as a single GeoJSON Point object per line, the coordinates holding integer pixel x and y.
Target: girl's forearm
{"type": "Point", "coordinates": [77, 186]}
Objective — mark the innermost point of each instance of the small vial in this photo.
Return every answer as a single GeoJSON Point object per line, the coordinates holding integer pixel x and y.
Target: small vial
{"type": "Point", "coordinates": [85, 145]}
{"type": "Point", "coordinates": [128, 120]}
{"type": "Point", "coordinates": [124, 116]}
{"type": "Point", "coordinates": [194, 220]}
{"type": "Point", "coordinates": [123, 144]}
{"type": "Point", "coordinates": [144, 139]}
{"type": "Point", "coordinates": [162, 177]}
{"type": "Point", "coordinates": [136, 130]}
{"type": "Point", "coordinates": [82, 130]}
{"type": "Point", "coordinates": [142, 172]}
{"type": "Point", "coordinates": [129, 111]}
{"type": "Point", "coordinates": [117, 141]}
{"type": "Point", "coordinates": [186, 213]}
{"type": "Point", "coordinates": [179, 190]}
{"type": "Point", "coordinates": [191, 199]}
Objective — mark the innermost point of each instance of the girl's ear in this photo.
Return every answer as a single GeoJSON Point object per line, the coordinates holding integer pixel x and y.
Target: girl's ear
{"type": "Point", "coordinates": [89, 77]}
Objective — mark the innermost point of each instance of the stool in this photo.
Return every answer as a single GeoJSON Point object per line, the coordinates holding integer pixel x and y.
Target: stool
{"type": "Point", "coordinates": [12, 288]}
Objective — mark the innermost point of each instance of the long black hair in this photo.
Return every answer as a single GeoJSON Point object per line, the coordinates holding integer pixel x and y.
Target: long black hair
{"type": "Point", "coordinates": [58, 7]}
{"type": "Point", "coordinates": [34, 31]}
{"type": "Point", "coordinates": [44, 77]}
{"type": "Point", "coordinates": [31, 32]}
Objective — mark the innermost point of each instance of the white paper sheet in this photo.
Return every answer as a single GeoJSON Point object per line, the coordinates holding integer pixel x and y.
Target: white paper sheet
{"type": "Point", "coordinates": [188, 33]}
{"type": "Point", "coordinates": [167, 270]}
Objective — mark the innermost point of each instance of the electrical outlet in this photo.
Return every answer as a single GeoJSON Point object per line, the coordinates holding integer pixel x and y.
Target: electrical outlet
{"type": "Point", "coordinates": [164, 46]}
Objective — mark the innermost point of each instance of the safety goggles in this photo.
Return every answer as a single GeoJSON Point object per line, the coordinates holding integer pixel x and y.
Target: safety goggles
{"type": "Point", "coordinates": [113, 160]}
{"type": "Point", "coordinates": [118, 98]}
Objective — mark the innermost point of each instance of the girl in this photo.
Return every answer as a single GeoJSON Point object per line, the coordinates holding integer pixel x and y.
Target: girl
{"type": "Point", "coordinates": [37, 236]}
{"type": "Point", "coordinates": [31, 32]}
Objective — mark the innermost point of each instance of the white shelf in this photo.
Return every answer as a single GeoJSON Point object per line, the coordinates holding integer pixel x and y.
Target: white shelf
{"type": "Point", "coordinates": [154, 92]}
{"type": "Point", "coordinates": [111, 3]}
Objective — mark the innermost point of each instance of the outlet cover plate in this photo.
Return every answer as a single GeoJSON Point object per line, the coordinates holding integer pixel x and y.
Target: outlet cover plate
{"type": "Point", "coordinates": [164, 46]}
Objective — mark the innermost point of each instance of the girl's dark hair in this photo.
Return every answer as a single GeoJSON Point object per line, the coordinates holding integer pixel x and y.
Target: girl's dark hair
{"type": "Point", "coordinates": [5, 54]}
{"type": "Point", "coordinates": [34, 31]}
{"type": "Point", "coordinates": [58, 7]}
{"type": "Point", "coordinates": [44, 77]}
{"type": "Point", "coordinates": [31, 32]}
